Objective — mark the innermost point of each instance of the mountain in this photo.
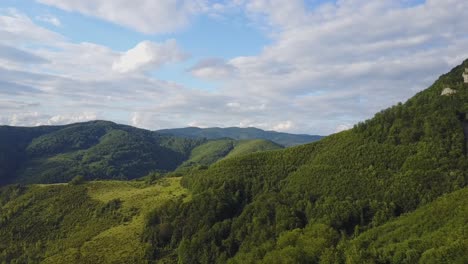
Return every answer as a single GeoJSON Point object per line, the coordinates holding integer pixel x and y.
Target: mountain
{"type": "Point", "coordinates": [96, 150]}
{"type": "Point", "coordinates": [305, 204]}
{"type": "Point", "coordinates": [218, 149]}
{"type": "Point", "coordinates": [238, 133]}
{"type": "Point", "coordinates": [391, 190]}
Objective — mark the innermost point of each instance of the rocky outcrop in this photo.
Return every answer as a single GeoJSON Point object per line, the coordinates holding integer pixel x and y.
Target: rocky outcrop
{"type": "Point", "coordinates": [448, 91]}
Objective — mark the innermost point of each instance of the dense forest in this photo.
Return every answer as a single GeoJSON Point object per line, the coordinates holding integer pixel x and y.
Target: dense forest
{"type": "Point", "coordinates": [391, 190]}
{"type": "Point", "coordinates": [321, 202]}
{"type": "Point", "coordinates": [105, 150]}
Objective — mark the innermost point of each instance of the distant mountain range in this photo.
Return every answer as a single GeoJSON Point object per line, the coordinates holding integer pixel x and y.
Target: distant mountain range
{"type": "Point", "coordinates": [105, 150]}
{"type": "Point", "coordinates": [284, 139]}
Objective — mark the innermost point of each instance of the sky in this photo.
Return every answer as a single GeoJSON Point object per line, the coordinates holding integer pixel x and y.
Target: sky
{"type": "Point", "coordinates": [298, 66]}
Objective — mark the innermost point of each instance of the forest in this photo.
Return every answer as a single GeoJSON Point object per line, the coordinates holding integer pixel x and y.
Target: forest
{"type": "Point", "coordinates": [105, 150]}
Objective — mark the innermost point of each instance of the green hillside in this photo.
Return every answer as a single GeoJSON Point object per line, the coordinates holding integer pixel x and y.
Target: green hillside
{"type": "Point", "coordinates": [244, 147]}
{"type": "Point", "coordinates": [391, 190]}
{"type": "Point", "coordinates": [103, 222]}
{"type": "Point", "coordinates": [95, 222]}
{"type": "Point", "coordinates": [97, 149]}
{"type": "Point", "coordinates": [212, 151]}
{"type": "Point", "coordinates": [238, 133]}
{"type": "Point", "coordinates": [404, 158]}
{"type": "Point", "coordinates": [100, 150]}
{"type": "Point", "coordinates": [435, 233]}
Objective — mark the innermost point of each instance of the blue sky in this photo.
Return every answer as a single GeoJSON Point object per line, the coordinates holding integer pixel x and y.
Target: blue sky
{"type": "Point", "coordinates": [300, 66]}
{"type": "Point", "coordinates": [220, 37]}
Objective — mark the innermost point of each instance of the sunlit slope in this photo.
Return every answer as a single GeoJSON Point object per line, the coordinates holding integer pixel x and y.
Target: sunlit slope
{"type": "Point", "coordinates": [97, 222]}
{"type": "Point", "coordinates": [215, 150]}
{"type": "Point", "coordinates": [244, 147]}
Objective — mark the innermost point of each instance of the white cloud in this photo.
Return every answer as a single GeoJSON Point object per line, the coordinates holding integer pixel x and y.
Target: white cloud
{"type": "Point", "coordinates": [71, 118]}
{"type": "Point", "coordinates": [343, 127]}
{"type": "Point", "coordinates": [147, 16]}
{"type": "Point", "coordinates": [18, 29]}
{"type": "Point", "coordinates": [22, 119]}
{"type": "Point", "coordinates": [50, 20]}
{"type": "Point", "coordinates": [83, 61]}
{"type": "Point", "coordinates": [341, 62]}
{"type": "Point", "coordinates": [326, 67]}
{"type": "Point", "coordinates": [148, 55]}
{"type": "Point", "coordinates": [284, 126]}
{"type": "Point", "coordinates": [38, 119]}
{"type": "Point", "coordinates": [286, 14]}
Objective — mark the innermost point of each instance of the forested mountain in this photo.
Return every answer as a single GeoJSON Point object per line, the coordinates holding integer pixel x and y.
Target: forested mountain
{"type": "Point", "coordinates": [391, 190]}
{"type": "Point", "coordinates": [283, 139]}
{"type": "Point", "coordinates": [217, 149]}
{"type": "Point", "coordinates": [97, 150]}
{"type": "Point", "coordinates": [304, 204]}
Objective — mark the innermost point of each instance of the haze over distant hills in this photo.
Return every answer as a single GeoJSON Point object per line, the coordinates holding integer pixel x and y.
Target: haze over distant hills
{"type": "Point", "coordinates": [284, 139]}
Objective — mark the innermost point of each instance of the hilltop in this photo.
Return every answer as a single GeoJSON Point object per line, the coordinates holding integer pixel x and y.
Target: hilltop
{"type": "Point", "coordinates": [284, 139]}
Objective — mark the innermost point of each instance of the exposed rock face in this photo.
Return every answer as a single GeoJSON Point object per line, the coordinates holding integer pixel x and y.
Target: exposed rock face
{"type": "Point", "coordinates": [465, 75]}
{"type": "Point", "coordinates": [448, 91]}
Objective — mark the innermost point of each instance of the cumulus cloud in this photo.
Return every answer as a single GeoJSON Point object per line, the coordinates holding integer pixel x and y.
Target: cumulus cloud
{"type": "Point", "coordinates": [147, 55]}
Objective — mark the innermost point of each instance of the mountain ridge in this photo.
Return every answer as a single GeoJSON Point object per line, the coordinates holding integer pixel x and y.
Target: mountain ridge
{"type": "Point", "coordinates": [282, 138]}
{"type": "Point", "coordinates": [97, 150]}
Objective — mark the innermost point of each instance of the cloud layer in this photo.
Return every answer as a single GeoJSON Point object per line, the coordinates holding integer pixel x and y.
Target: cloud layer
{"type": "Point", "coordinates": [327, 67]}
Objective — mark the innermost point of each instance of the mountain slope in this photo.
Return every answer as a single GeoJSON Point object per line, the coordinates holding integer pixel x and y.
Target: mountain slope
{"type": "Point", "coordinates": [111, 216]}
{"type": "Point", "coordinates": [99, 150]}
{"type": "Point", "coordinates": [238, 133]}
{"type": "Point", "coordinates": [434, 233]}
{"type": "Point", "coordinates": [214, 150]}
{"type": "Point", "coordinates": [405, 157]}
{"type": "Point", "coordinates": [94, 222]}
